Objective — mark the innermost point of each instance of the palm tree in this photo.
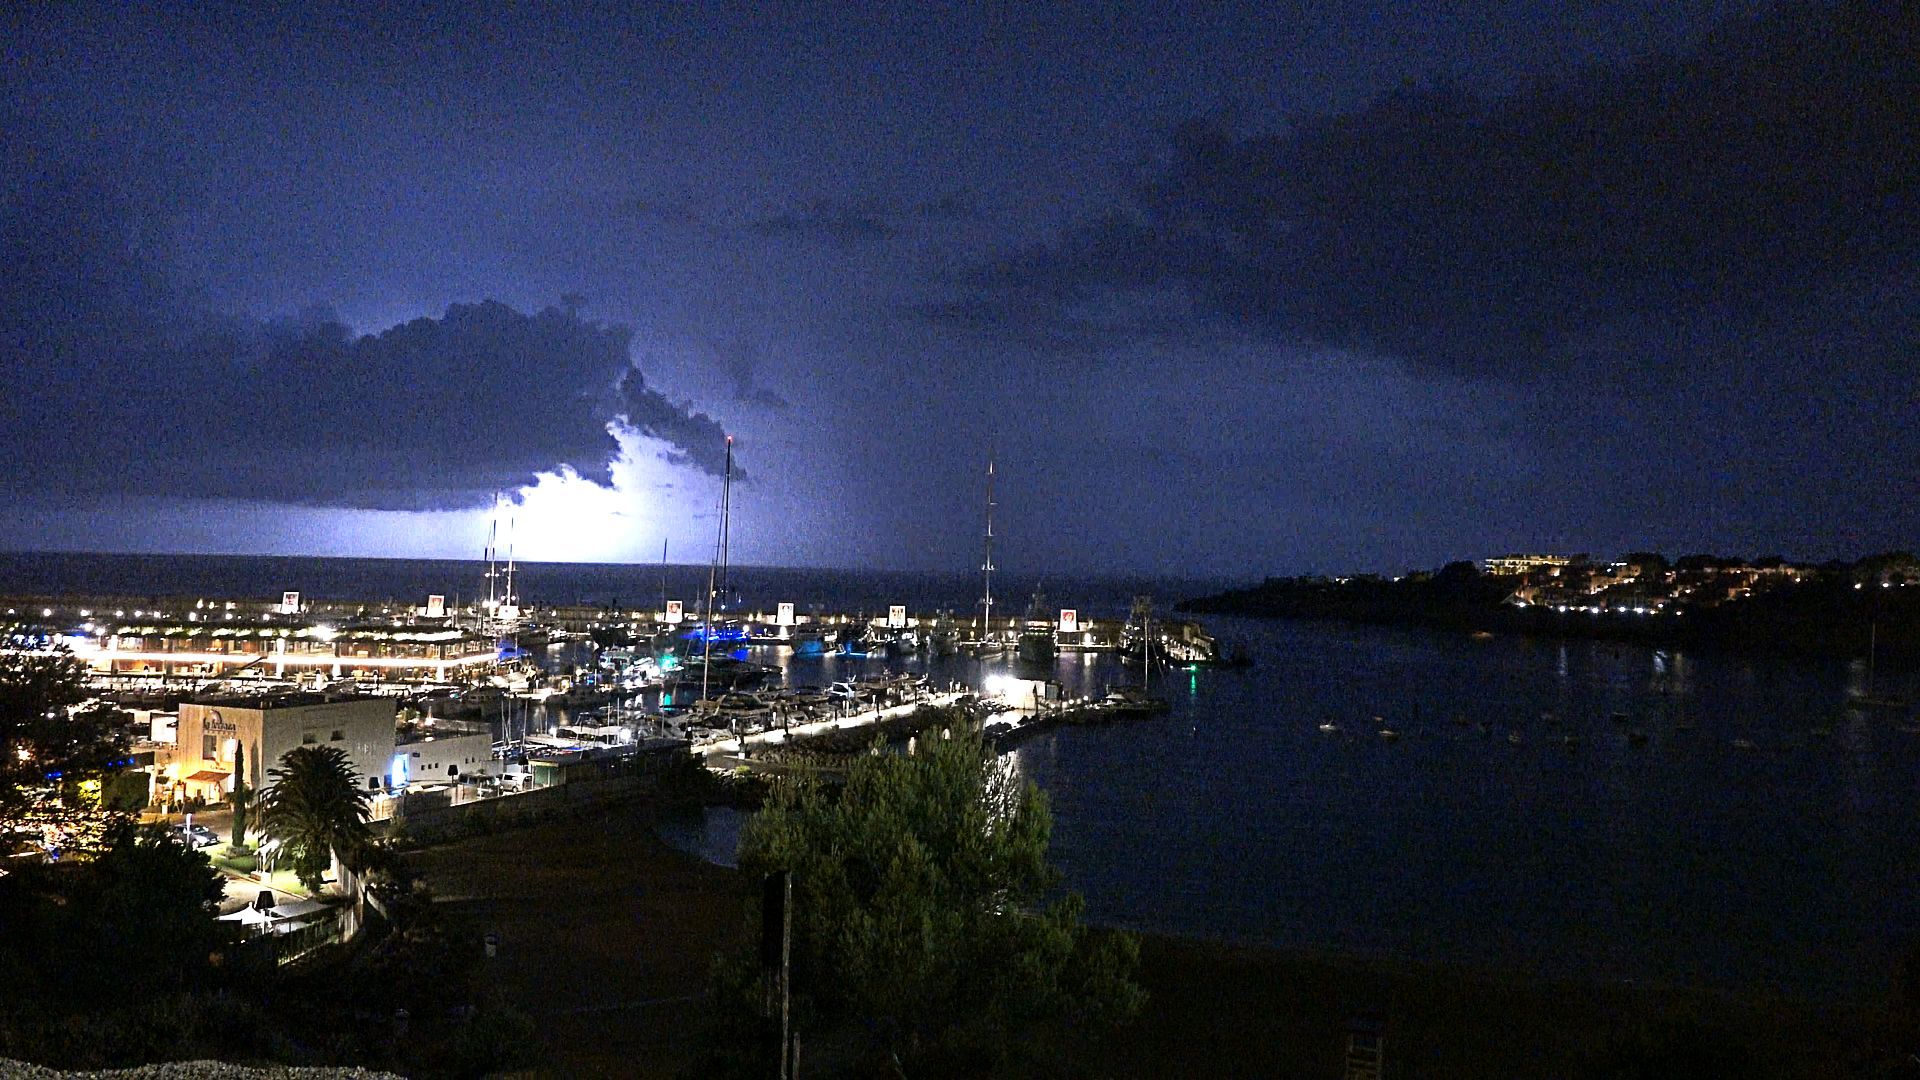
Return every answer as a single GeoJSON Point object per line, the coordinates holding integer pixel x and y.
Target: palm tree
{"type": "Point", "coordinates": [316, 810]}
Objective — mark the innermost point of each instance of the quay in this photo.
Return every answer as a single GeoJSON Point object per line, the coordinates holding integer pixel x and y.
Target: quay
{"type": "Point", "coordinates": [133, 642]}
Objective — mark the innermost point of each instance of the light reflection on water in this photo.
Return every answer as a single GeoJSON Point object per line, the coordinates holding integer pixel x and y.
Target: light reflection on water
{"type": "Point", "coordinates": [1684, 859]}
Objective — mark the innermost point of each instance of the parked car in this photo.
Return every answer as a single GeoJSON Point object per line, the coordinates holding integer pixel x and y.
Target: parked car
{"type": "Point", "coordinates": [196, 836]}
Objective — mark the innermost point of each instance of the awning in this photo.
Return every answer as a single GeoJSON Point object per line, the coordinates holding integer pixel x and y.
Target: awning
{"type": "Point", "coordinates": [207, 776]}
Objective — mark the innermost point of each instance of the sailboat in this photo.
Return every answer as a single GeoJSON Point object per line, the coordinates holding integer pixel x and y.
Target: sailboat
{"type": "Point", "coordinates": [1136, 643]}
{"type": "Point", "coordinates": [1868, 698]}
{"type": "Point", "coordinates": [716, 583]}
{"type": "Point", "coordinates": [516, 634]}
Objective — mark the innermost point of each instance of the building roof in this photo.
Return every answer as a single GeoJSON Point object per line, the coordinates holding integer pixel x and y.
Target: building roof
{"type": "Point", "coordinates": [282, 700]}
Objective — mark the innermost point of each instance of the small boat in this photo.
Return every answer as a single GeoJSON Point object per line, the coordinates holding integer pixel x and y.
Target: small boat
{"type": "Point", "coordinates": [1743, 744]}
{"type": "Point", "coordinates": [1329, 728]}
{"type": "Point", "coordinates": [1513, 737]}
{"type": "Point", "coordinates": [1571, 742]}
{"type": "Point", "coordinates": [1389, 734]}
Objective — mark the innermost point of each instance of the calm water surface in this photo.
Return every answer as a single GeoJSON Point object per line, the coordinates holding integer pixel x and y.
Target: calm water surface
{"type": "Point", "coordinates": [1688, 859]}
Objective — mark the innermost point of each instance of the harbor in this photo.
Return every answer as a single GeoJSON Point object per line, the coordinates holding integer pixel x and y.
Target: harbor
{"type": "Point", "coordinates": [549, 692]}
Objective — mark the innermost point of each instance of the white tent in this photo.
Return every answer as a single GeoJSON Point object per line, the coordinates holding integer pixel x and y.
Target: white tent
{"type": "Point", "coordinates": [248, 916]}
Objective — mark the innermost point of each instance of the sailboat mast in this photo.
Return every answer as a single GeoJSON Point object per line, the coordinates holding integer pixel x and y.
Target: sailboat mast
{"type": "Point", "coordinates": [1873, 650]}
{"type": "Point", "coordinates": [510, 599]}
{"type": "Point", "coordinates": [726, 519]}
{"type": "Point", "coordinates": [1146, 651]}
{"type": "Point", "coordinates": [493, 539]}
{"type": "Point", "coordinates": [713, 571]}
{"type": "Point", "coordinates": [986, 564]}
{"type": "Point", "coordinates": [663, 573]}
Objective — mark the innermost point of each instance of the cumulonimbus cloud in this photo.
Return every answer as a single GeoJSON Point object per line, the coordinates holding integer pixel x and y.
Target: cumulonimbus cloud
{"type": "Point", "coordinates": [119, 381]}
{"type": "Point", "coordinates": [1749, 178]}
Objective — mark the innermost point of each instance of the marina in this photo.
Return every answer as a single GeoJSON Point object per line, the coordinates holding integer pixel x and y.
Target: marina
{"type": "Point", "coordinates": [1608, 763]}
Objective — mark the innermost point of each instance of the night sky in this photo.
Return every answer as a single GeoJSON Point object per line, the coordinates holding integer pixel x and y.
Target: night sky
{"type": "Point", "coordinates": [1229, 289]}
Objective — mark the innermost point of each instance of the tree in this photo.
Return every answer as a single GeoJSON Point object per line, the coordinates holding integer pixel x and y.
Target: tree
{"type": "Point", "coordinates": [921, 931]}
{"type": "Point", "coordinates": [315, 810]}
{"type": "Point", "coordinates": [241, 795]}
{"type": "Point", "coordinates": [135, 919]}
{"type": "Point", "coordinates": [42, 735]}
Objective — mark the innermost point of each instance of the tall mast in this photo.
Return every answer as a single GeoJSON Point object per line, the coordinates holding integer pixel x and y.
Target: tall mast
{"type": "Point", "coordinates": [663, 573]}
{"type": "Point", "coordinates": [510, 600]}
{"type": "Point", "coordinates": [986, 564]}
{"type": "Point", "coordinates": [493, 538]}
{"type": "Point", "coordinates": [713, 570]}
{"type": "Point", "coordinates": [726, 520]}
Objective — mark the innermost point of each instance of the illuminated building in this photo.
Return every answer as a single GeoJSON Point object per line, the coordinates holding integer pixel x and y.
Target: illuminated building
{"type": "Point", "coordinates": [1527, 564]}
{"type": "Point", "coordinates": [210, 730]}
{"type": "Point", "coordinates": [208, 650]}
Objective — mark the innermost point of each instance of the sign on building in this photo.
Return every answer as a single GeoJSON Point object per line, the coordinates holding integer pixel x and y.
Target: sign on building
{"type": "Point", "coordinates": [784, 617]}
{"type": "Point", "coordinates": [675, 611]}
{"type": "Point", "coordinates": [897, 616]}
{"type": "Point", "coordinates": [289, 603]}
{"type": "Point", "coordinates": [436, 607]}
{"type": "Point", "coordinates": [1069, 621]}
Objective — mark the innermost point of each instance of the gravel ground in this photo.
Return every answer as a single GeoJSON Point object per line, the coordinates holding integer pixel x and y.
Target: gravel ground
{"type": "Point", "coordinates": [190, 1070]}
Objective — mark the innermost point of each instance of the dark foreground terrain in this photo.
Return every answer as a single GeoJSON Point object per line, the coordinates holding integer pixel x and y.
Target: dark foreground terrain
{"type": "Point", "coordinates": [606, 935]}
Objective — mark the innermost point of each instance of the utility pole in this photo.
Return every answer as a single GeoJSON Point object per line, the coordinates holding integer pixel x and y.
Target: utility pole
{"type": "Point", "coordinates": [776, 962]}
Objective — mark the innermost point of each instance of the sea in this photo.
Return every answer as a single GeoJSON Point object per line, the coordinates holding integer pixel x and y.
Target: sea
{"type": "Point", "coordinates": [1574, 809]}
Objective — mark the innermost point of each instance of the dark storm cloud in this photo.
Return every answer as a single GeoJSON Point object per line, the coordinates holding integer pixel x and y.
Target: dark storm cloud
{"type": "Point", "coordinates": [120, 381]}
{"type": "Point", "coordinates": [699, 440]}
{"type": "Point", "coordinates": [835, 220]}
{"type": "Point", "coordinates": [740, 360]}
{"type": "Point", "coordinates": [847, 221]}
{"type": "Point", "coordinates": [1597, 219]}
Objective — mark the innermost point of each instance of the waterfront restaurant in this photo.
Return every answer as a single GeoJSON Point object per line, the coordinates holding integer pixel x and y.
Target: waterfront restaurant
{"type": "Point", "coordinates": [380, 652]}
{"type": "Point", "coordinates": [210, 732]}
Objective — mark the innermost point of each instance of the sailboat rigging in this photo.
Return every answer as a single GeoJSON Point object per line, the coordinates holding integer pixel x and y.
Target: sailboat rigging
{"type": "Point", "coordinates": [713, 574]}
{"type": "Point", "coordinates": [987, 644]}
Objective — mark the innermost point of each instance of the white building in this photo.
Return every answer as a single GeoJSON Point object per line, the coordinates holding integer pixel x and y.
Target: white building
{"type": "Point", "coordinates": [211, 730]}
{"type": "Point", "coordinates": [440, 759]}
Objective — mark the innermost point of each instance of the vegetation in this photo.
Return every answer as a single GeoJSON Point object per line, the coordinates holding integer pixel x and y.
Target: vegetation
{"type": "Point", "coordinates": [242, 798]}
{"type": "Point", "coordinates": [927, 936]}
{"type": "Point", "coordinates": [1840, 610]}
{"type": "Point", "coordinates": [316, 810]}
{"type": "Point", "coordinates": [44, 740]}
